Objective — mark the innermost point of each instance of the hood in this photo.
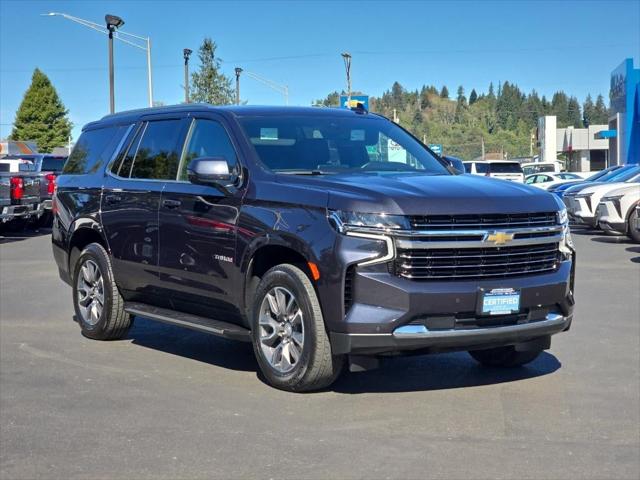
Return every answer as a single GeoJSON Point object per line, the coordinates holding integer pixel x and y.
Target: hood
{"type": "Point", "coordinates": [606, 187]}
{"type": "Point", "coordinates": [421, 194]}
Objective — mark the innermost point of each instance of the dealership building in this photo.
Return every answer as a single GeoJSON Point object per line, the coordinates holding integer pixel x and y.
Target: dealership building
{"type": "Point", "coordinates": [599, 146]}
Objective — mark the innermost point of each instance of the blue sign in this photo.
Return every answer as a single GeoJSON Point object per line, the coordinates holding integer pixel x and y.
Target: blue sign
{"type": "Point", "coordinates": [355, 100]}
{"type": "Point", "coordinates": [436, 148]}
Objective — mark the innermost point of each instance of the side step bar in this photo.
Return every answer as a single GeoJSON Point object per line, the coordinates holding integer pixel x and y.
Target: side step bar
{"type": "Point", "coordinates": [187, 320]}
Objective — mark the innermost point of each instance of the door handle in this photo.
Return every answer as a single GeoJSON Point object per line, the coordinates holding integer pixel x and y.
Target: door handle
{"type": "Point", "coordinates": [171, 203]}
{"type": "Point", "coordinates": [111, 199]}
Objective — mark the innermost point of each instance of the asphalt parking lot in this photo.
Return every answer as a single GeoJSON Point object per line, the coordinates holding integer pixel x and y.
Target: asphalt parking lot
{"type": "Point", "coordinates": [172, 403]}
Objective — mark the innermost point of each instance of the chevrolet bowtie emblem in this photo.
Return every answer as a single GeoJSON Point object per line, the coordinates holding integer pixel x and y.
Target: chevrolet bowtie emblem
{"type": "Point", "coordinates": [498, 238]}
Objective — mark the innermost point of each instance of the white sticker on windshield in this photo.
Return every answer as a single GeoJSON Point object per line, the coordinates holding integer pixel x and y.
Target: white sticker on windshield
{"type": "Point", "coordinates": [268, 134]}
{"type": "Point", "coordinates": [357, 135]}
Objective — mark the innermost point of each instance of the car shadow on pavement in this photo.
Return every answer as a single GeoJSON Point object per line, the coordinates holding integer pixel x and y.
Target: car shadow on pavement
{"type": "Point", "coordinates": [634, 250]}
{"type": "Point", "coordinates": [398, 374]}
{"type": "Point", "coordinates": [9, 236]}
{"type": "Point", "coordinates": [198, 346]}
{"type": "Point", "coordinates": [439, 372]}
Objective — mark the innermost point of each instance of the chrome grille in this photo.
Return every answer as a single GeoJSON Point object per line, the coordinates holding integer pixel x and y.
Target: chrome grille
{"type": "Point", "coordinates": [483, 222]}
{"type": "Point", "coordinates": [461, 263]}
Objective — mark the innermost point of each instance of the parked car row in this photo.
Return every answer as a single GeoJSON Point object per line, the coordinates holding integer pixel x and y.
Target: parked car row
{"type": "Point", "coordinates": [607, 202]}
{"type": "Point", "coordinates": [27, 184]}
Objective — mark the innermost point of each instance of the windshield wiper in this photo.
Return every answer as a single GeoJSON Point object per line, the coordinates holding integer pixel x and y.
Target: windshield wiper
{"type": "Point", "coordinates": [305, 172]}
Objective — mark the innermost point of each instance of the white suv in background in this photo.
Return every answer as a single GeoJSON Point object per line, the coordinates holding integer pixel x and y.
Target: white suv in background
{"type": "Point", "coordinates": [583, 207]}
{"type": "Point", "coordinates": [503, 169]}
{"type": "Point", "coordinates": [617, 211]}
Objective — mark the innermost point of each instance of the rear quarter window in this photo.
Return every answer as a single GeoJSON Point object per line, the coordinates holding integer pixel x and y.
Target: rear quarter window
{"type": "Point", "coordinates": [93, 150]}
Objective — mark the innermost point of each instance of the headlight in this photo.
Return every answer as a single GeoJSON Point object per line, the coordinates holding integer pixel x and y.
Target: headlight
{"type": "Point", "coordinates": [613, 198]}
{"type": "Point", "coordinates": [563, 218]}
{"type": "Point", "coordinates": [344, 220]}
{"type": "Point", "coordinates": [584, 195]}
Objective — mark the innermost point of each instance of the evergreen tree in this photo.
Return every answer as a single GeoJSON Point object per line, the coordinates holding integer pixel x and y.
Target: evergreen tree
{"type": "Point", "coordinates": [397, 96]}
{"type": "Point", "coordinates": [461, 99]}
{"type": "Point", "coordinates": [560, 108]}
{"type": "Point", "coordinates": [573, 110]}
{"type": "Point", "coordinates": [208, 84]}
{"type": "Point", "coordinates": [600, 112]}
{"type": "Point", "coordinates": [444, 93]}
{"type": "Point", "coordinates": [587, 111]}
{"type": "Point", "coordinates": [41, 116]}
{"type": "Point", "coordinates": [473, 96]}
{"type": "Point", "coordinates": [491, 93]}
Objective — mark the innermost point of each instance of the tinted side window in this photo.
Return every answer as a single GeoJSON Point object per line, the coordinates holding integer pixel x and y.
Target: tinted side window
{"type": "Point", "coordinates": [482, 167]}
{"type": "Point", "coordinates": [93, 150]}
{"type": "Point", "coordinates": [158, 156]}
{"type": "Point", "coordinates": [208, 138]}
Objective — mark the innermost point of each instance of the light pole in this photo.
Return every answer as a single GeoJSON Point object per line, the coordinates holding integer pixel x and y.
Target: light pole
{"type": "Point", "coordinates": [113, 22]}
{"type": "Point", "coordinates": [118, 36]}
{"type": "Point", "coordinates": [238, 72]}
{"type": "Point", "coordinates": [346, 56]}
{"type": "Point", "coordinates": [186, 53]}
{"type": "Point", "coordinates": [283, 89]}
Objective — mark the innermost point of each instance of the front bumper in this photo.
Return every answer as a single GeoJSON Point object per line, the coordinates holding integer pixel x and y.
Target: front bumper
{"type": "Point", "coordinates": [420, 338]}
{"type": "Point", "coordinates": [608, 218]}
{"type": "Point", "coordinates": [391, 314]}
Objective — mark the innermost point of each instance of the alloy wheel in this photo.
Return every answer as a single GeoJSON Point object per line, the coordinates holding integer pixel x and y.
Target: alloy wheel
{"type": "Point", "coordinates": [90, 289]}
{"type": "Point", "coordinates": [281, 329]}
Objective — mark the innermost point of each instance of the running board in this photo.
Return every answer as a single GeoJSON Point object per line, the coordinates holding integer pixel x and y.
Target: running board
{"type": "Point", "coordinates": [187, 320]}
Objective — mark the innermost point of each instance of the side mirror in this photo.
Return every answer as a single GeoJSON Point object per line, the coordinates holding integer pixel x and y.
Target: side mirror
{"type": "Point", "coordinates": [211, 171]}
{"type": "Point", "coordinates": [456, 164]}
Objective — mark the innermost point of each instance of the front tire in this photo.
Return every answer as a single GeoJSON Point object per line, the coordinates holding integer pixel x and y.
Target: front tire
{"type": "Point", "coordinates": [289, 337]}
{"type": "Point", "coordinates": [631, 226]}
{"type": "Point", "coordinates": [504, 356]}
{"type": "Point", "coordinates": [96, 299]}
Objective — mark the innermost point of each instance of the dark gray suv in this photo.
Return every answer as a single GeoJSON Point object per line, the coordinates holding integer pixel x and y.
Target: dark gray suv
{"type": "Point", "coordinates": [325, 237]}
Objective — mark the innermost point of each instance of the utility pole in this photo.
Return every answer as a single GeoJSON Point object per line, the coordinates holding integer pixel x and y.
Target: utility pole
{"type": "Point", "coordinates": [346, 56]}
{"type": "Point", "coordinates": [482, 148]}
{"type": "Point", "coordinates": [186, 53]}
{"type": "Point", "coordinates": [238, 72]}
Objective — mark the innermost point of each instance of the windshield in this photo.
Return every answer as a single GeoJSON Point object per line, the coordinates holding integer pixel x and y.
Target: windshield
{"type": "Point", "coordinates": [621, 175]}
{"type": "Point", "coordinates": [302, 144]}
{"type": "Point", "coordinates": [602, 173]}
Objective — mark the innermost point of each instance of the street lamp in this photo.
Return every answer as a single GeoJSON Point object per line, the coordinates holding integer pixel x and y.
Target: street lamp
{"type": "Point", "coordinates": [238, 72]}
{"type": "Point", "coordinates": [112, 23]}
{"type": "Point", "coordinates": [283, 89]}
{"type": "Point", "coordinates": [346, 56]}
{"type": "Point", "coordinates": [186, 53]}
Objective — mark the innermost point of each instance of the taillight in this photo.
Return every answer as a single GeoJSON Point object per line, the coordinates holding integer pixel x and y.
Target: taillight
{"type": "Point", "coordinates": [17, 188]}
{"type": "Point", "coordinates": [51, 183]}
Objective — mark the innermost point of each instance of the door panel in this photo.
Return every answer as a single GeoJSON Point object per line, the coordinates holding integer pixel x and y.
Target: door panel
{"type": "Point", "coordinates": [198, 226]}
{"type": "Point", "coordinates": [130, 220]}
{"type": "Point", "coordinates": [131, 203]}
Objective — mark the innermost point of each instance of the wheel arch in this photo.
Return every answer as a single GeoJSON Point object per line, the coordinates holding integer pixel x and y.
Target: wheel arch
{"type": "Point", "coordinates": [265, 255]}
{"type": "Point", "coordinates": [83, 232]}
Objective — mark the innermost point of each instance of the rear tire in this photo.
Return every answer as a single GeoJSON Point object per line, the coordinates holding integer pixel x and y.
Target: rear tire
{"type": "Point", "coordinates": [289, 337]}
{"type": "Point", "coordinates": [504, 356]}
{"type": "Point", "coordinates": [96, 299]}
{"type": "Point", "coordinates": [631, 226]}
